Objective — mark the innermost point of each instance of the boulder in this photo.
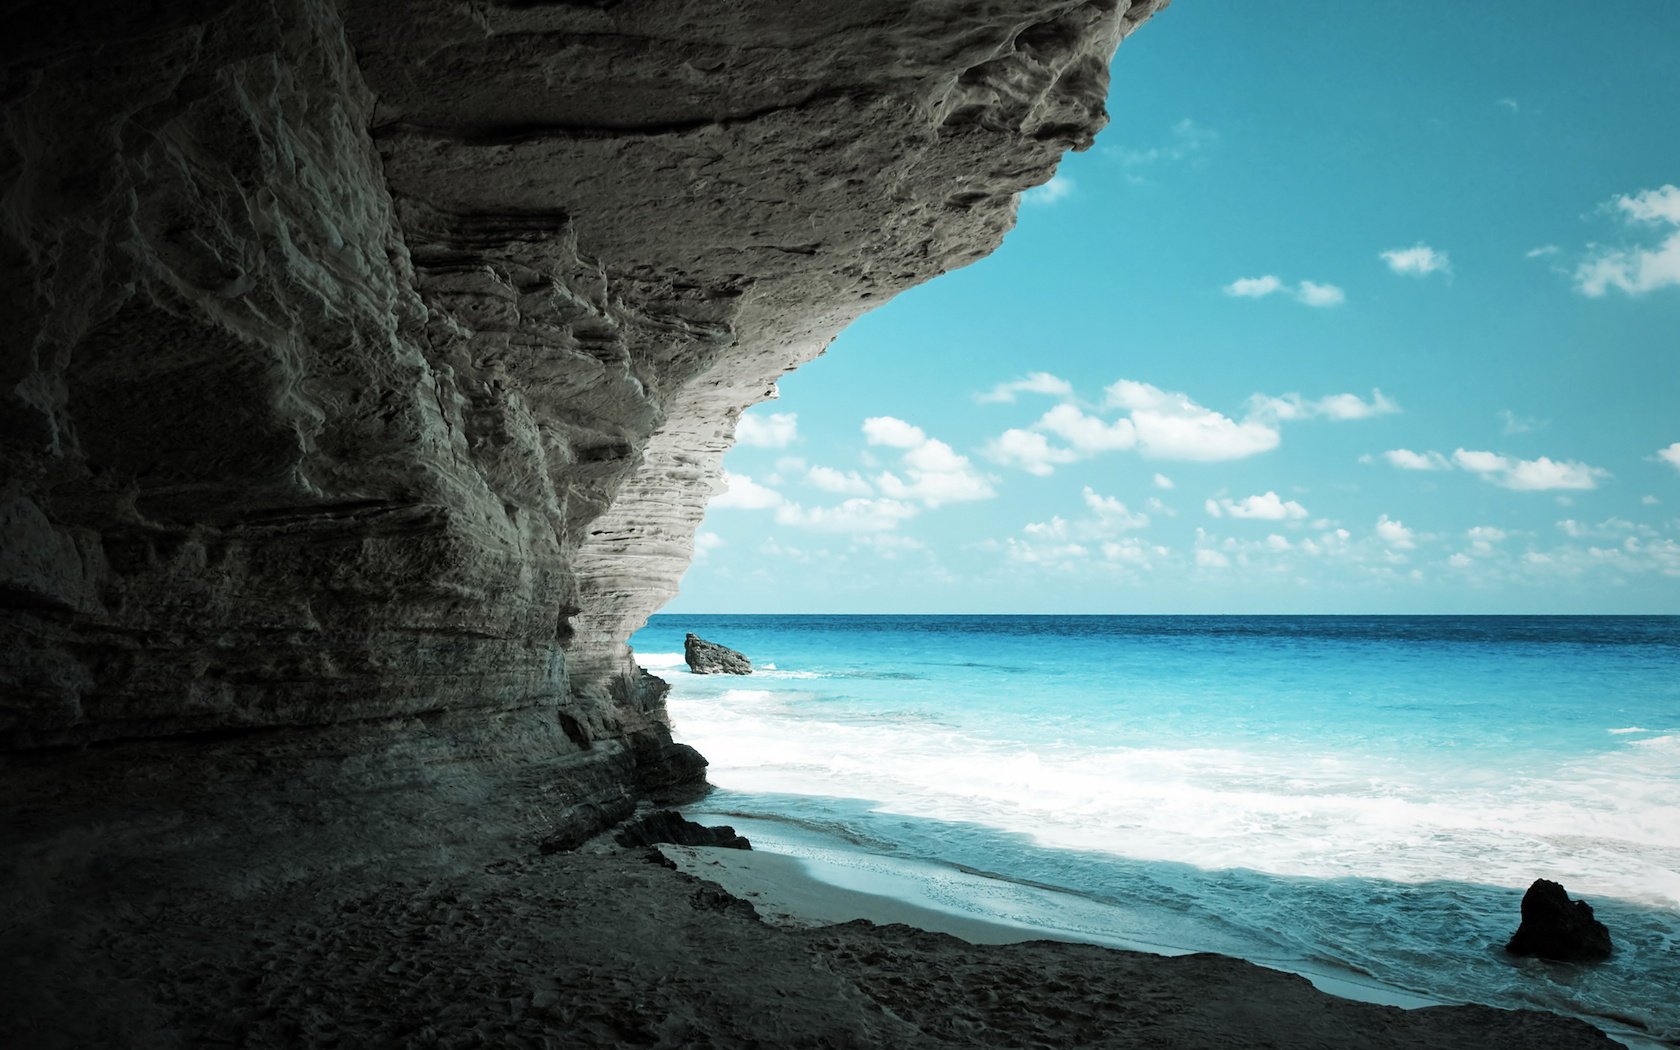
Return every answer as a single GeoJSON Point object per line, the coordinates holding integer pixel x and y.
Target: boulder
{"type": "Point", "coordinates": [667, 825]}
{"type": "Point", "coordinates": [710, 658]}
{"type": "Point", "coordinates": [1555, 927]}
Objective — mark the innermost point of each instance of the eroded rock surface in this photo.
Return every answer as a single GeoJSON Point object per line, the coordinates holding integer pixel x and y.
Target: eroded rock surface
{"type": "Point", "coordinates": [368, 365]}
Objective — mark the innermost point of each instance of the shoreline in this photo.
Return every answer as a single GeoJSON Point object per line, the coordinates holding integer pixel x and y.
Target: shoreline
{"type": "Point", "coordinates": [812, 885]}
{"type": "Point", "coordinates": [802, 880]}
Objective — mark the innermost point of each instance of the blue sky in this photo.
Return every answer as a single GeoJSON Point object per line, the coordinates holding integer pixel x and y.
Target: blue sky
{"type": "Point", "coordinates": [1345, 312]}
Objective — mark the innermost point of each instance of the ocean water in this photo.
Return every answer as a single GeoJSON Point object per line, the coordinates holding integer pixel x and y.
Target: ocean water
{"type": "Point", "coordinates": [1359, 798]}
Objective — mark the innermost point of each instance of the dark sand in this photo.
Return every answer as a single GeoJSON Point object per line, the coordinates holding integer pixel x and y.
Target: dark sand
{"type": "Point", "coordinates": [614, 948]}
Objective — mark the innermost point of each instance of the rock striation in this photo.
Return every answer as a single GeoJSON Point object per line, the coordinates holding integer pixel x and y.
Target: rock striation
{"type": "Point", "coordinates": [705, 657]}
{"type": "Point", "coordinates": [368, 365]}
{"type": "Point", "coordinates": [1555, 927]}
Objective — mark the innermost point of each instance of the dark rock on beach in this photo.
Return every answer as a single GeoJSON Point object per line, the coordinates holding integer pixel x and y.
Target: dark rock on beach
{"type": "Point", "coordinates": [667, 825]}
{"type": "Point", "coordinates": [1555, 927]}
{"type": "Point", "coordinates": [710, 658]}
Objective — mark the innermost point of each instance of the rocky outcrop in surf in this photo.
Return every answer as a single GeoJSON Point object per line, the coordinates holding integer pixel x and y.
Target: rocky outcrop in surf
{"type": "Point", "coordinates": [1555, 927]}
{"type": "Point", "coordinates": [705, 657]}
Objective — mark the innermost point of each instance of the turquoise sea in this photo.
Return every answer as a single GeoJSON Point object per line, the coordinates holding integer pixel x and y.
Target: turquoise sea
{"type": "Point", "coordinates": [1360, 799]}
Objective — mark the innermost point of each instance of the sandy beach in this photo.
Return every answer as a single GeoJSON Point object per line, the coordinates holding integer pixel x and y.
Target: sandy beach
{"type": "Point", "coordinates": [670, 947]}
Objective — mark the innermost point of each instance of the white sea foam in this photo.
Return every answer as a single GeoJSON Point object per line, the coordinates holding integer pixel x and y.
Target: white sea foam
{"type": "Point", "coordinates": [657, 662]}
{"type": "Point", "coordinates": [1605, 825]}
{"type": "Point", "coordinates": [1630, 729]}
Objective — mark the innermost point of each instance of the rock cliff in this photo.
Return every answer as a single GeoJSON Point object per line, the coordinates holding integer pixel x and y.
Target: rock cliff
{"type": "Point", "coordinates": [368, 366]}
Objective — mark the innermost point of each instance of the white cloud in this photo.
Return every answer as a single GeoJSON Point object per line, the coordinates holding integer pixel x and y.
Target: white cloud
{"type": "Point", "coordinates": [1529, 475]}
{"type": "Point", "coordinates": [1406, 459]}
{"type": "Point", "coordinates": [1171, 426]}
{"type": "Point", "coordinates": [1309, 292]}
{"type": "Point", "coordinates": [1028, 450]}
{"type": "Point", "coordinates": [1254, 287]}
{"type": "Point", "coordinates": [1314, 294]}
{"type": "Point", "coordinates": [828, 479]}
{"type": "Point", "coordinates": [743, 493]}
{"type": "Point", "coordinates": [1542, 252]}
{"type": "Point", "coordinates": [1088, 435]}
{"type": "Point", "coordinates": [1112, 513]}
{"type": "Point", "coordinates": [1485, 538]}
{"type": "Point", "coordinates": [853, 515]}
{"type": "Point", "coordinates": [1420, 260]}
{"type": "Point", "coordinates": [1162, 424]}
{"type": "Point", "coordinates": [1054, 529]}
{"type": "Point", "coordinates": [1059, 188]}
{"type": "Point", "coordinates": [1268, 507]}
{"type": "Point", "coordinates": [1188, 138]}
{"type": "Point", "coordinates": [1652, 206]}
{"type": "Point", "coordinates": [892, 432]}
{"type": "Point", "coordinates": [1056, 555]}
{"type": "Point", "coordinates": [1508, 103]}
{"type": "Point", "coordinates": [1211, 559]}
{"type": "Point", "coordinates": [934, 472]}
{"type": "Point", "coordinates": [1515, 424]}
{"type": "Point", "coordinates": [1338, 407]}
{"type": "Point", "coordinates": [1395, 534]}
{"type": "Point", "coordinates": [1670, 455]}
{"type": "Point", "coordinates": [1637, 270]}
{"type": "Point", "coordinates": [1649, 501]}
{"type": "Point", "coordinates": [1033, 383]}
{"type": "Point", "coordinates": [773, 431]}
{"type": "Point", "coordinates": [706, 542]}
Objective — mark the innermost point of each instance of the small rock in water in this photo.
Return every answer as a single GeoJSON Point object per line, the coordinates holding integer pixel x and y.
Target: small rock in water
{"type": "Point", "coordinates": [1555, 927]}
{"type": "Point", "coordinates": [710, 658]}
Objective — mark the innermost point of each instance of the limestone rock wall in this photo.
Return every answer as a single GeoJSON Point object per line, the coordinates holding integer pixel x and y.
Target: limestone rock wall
{"type": "Point", "coordinates": [371, 360]}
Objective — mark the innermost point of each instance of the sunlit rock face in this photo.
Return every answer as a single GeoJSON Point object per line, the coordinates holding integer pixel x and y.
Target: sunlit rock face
{"type": "Point", "coordinates": [374, 361]}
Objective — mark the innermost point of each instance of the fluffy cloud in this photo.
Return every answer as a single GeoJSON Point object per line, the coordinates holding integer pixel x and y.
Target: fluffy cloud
{"type": "Point", "coordinates": [773, 431]}
{"type": "Point", "coordinates": [1028, 450]}
{"type": "Point", "coordinates": [1269, 507]}
{"type": "Point", "coordinates": [1395, 534]}
{"type": "Point", "coordinates": [1211, 559]}
{"type": "Point", "coordinates": [1314, 294]}
{"type": "Point", "coordinates": [1254, 287]}
{"type": "Point", "coordinates": [1637, 270]}
{"type": "Point", "coordinates": [1529, 475]}
{"type": "Point", "coordinates": [828, 479]}
{"type": "Point", "coordinates": [1420, 260]}
{"type": "Point", "coordinates": [1670, 455]}
{"type": "Point", "coordinates": [1406, 459]}
{"type": "Point", "coordinates": [1162, 424]}
{"type": "Point", "coordinates": [1111, 513]}
{"type": "Point", "coordinates": [934, 473]}
{"type": "Point", "coordinates": [853, 515]}
{"type": "Point", "coordinates": [1524, 475]}
{"type": "Point", "coordinates": [892, 432]}
{"type": "Point", "coordinates": [1033, 383]}
{"type": "Point", "coordinates": [1339, 407]}
{"type": "Point", "coordinates": [1171, 426]}
{"type": "Point", "coordinates": [1088, 435]}
{"type": "Point", "coordinates": [743, 493]}
{"type": "Point", "coordinates": [1059, 188]}
{"type": "Point", "coordinates": [1309, 292]}
{"type": "Point", "coordinates": [706, 542]}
